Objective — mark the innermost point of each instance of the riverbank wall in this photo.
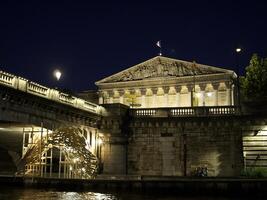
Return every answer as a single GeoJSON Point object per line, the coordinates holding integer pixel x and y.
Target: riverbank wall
{"type": "Point", "coordinates": [183, 186]}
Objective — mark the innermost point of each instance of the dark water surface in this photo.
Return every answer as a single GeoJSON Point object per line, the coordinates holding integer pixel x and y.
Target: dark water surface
{"type": "Point", "coordinates": [10, 193]}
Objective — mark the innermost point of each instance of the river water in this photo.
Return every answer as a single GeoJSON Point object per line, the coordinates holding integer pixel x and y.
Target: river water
{"type": "Point", "coordinates": [10, 193]}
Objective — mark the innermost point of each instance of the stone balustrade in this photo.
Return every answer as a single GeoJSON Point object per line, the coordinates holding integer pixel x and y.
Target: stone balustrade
{"type": "Point", "coordinates": [36, 88]}
{"type": "Point", "coordinates": [6, 78]}
{"type": "Point", "coordinates": [27, 86]}
{"type": "Point", "coordinates": [66, 98]}
{"type": "Point", "coordinates": [185, 111]}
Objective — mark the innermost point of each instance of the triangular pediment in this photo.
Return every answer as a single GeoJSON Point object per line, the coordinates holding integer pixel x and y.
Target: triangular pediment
{"type": "Point", "coordinates": [162, 67]}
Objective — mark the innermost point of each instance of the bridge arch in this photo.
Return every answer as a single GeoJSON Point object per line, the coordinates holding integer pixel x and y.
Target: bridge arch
{"type": "Point", "coordinates": [76, 158]}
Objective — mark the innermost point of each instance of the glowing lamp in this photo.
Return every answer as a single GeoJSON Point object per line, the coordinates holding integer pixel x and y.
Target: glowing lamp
{"type": "Point", "coordinates": [209, 94]}
{"type": "Point", "coordinates": [238, 50]}
{"type": "Point", "coordinates": [57, 74]}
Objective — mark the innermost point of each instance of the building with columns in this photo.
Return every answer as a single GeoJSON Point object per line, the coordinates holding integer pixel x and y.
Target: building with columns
{"type": "Point", "coordinates": [162, 117]}
{"type": "Point", "coordinates": [166, 82]}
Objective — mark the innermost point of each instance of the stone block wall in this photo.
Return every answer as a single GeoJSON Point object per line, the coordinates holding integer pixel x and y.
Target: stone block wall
{"type": "Point", "coordinates": [177, 146]}
{"type": "Point", "coordinates": [114, 147]}
{"type": "Point", "coordinates": [162, 145]}
{"type": "Point", "coordinates": [114, 158]}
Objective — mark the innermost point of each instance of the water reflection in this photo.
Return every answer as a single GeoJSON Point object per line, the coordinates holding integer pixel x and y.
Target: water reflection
{"type": "Point", "coordinates": [41, 194]}
{"type": "Point", "coordinates": [32, 194]}
{"type": "Point", "coordinates": [86, 195]}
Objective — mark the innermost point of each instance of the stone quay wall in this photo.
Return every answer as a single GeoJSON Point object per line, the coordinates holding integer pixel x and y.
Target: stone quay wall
{"type": "Point", "coordinates": [185, 146]}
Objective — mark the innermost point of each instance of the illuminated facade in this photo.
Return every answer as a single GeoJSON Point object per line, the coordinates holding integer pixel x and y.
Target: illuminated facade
{"type": "Point", "coordinates": [167, 82]}
{"type": "Point", "coordinates": [161, 117]}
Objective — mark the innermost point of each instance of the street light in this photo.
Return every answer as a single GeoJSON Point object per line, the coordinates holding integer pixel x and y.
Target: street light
{"type": "Point", "coordinates": [238, 50]}
{"type": "Point", "coordinates": [57, 74]}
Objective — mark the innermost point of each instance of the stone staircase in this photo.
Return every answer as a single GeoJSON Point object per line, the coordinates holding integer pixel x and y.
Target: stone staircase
{"type": "Point", "coordinates": [255, 148]}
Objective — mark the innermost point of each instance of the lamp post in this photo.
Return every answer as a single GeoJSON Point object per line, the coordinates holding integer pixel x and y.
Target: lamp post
{"type": "Point", "coordinates": [238, 52]}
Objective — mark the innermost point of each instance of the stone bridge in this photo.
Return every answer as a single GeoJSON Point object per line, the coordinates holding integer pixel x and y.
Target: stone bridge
{"type": "Point", "coordinates": [24, 101]}
{"type": "Point", "coordinates": [30, 112]}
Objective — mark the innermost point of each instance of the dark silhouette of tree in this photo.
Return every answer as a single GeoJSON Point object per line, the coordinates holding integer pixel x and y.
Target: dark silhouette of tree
{"type": "Point", "coordinates": [254, 84]}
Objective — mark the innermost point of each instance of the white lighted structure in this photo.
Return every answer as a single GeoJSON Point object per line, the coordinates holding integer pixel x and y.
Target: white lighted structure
{"type": "Point", "coordinates": [167, 82]}
{"type": "Point", "coordinates": [33, 88]}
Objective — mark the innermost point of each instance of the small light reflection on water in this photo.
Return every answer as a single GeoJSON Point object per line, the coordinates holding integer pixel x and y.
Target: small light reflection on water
{"type": "Point", "coordinates": [32, 194]}
{"type": "Point", "coordinates": [86, 195]}
{"type": "Point", "coordinates": [10, 193]}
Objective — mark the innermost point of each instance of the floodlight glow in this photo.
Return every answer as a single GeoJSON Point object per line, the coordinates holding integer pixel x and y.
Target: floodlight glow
{"type": "Point", "coordinates": [100, 141]}
{"type": "Point", "coordinates": [57, 74]}
{"type": "Point", "coordinates": [198, 95]}
{"type": "Point", "coordinates": [238, 50]}
{"type": "Point", "coordinates": [209, 94]}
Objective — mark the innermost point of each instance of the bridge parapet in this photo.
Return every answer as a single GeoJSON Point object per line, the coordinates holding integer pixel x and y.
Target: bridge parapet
{"type": "Point", "coordinates": [185, 111]}
{"type": "Point", "coordinates": [37, 89]}
{"type": "Point", "coordinates": [33, 88]}
{"type": "Point", "coordinates": [6, 78]}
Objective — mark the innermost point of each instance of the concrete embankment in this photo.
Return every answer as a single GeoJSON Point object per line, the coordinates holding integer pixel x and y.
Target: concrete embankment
{"type": "Point", "coordinates": [191, 186]}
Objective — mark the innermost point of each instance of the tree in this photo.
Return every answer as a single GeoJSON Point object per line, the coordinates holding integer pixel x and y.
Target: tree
{"type": "Point", "coordinates": [254, 84]}
{"type": "Point", "coordinates": [132, 100]}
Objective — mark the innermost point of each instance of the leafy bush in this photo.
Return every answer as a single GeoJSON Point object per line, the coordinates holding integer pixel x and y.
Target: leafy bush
{"type": "Point", "coordinates": [258, 172]}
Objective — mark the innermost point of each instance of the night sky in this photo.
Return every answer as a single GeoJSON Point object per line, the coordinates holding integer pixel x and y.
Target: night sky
{"type": "Point", "coordinates": [90, 41]}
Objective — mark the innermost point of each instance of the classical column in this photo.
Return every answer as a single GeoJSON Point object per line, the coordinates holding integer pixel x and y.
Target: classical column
{"type": "Point", "coordinates": [185, 97]}
{"type": "Point", "coordinates": [109, 98]}
{"type": "Point", "coordinates": [209, 95]}
{"type": "Point", "coordinates": [228, 92]}
{"type": "Point", "coordinates": [190, 94]}
{"type": "Point", "coordinates": [126, 97]}
{"type": "Point", "coordinates": [101, 97]}
{"type": "Point", "coordinates": [178, 97]}
{"type": "Point", "coordinates": [116, 96]}
{"type": "Point", "coordinates": [121, 93]}
{"type": "Point", "coordinates": [202, 93]}
{"type": "Point", "coordinates": [159, 98]}
{"type": "Point", "coordinates": [166, 94]}
{"type": "Point", "coordinates": [138, 97]}
{"type": "Point", "coordinates": [149, 98]}
{"type": "Point", "coordinates": [216, 88]}
{"type": "Point", "coordinates": [154, 98]}
{"type": "Point", "coordinates": [172, 97]}
{"type": "Point", "coordinates": [143, 97]}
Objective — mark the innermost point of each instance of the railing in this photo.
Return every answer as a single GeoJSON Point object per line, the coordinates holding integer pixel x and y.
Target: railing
{"type": "Point", "coordinates": [185, 111]}
{"type": "Point", "coordinates": [145, 112]}
{"type": "Point", "coordinates": [36, 88]}
{"type": "Point", "coordinates": [45, 92]}
{"type": "Point", "coordinates": [6, 78]}
{"type": "Point", "coordinates": [66, 98]}
{"type": "Point", "coordinates": [182, 111]}
{"type": "Point", "coordinates": [225, 110]}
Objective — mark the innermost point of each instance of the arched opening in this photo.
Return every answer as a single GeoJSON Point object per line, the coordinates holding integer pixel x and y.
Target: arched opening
{"type": "Point", "coordinates": [63, 153]}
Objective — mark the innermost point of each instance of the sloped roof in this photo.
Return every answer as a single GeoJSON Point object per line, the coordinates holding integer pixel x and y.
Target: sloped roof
{"type": "Point", "coordinates": [162, 67]}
